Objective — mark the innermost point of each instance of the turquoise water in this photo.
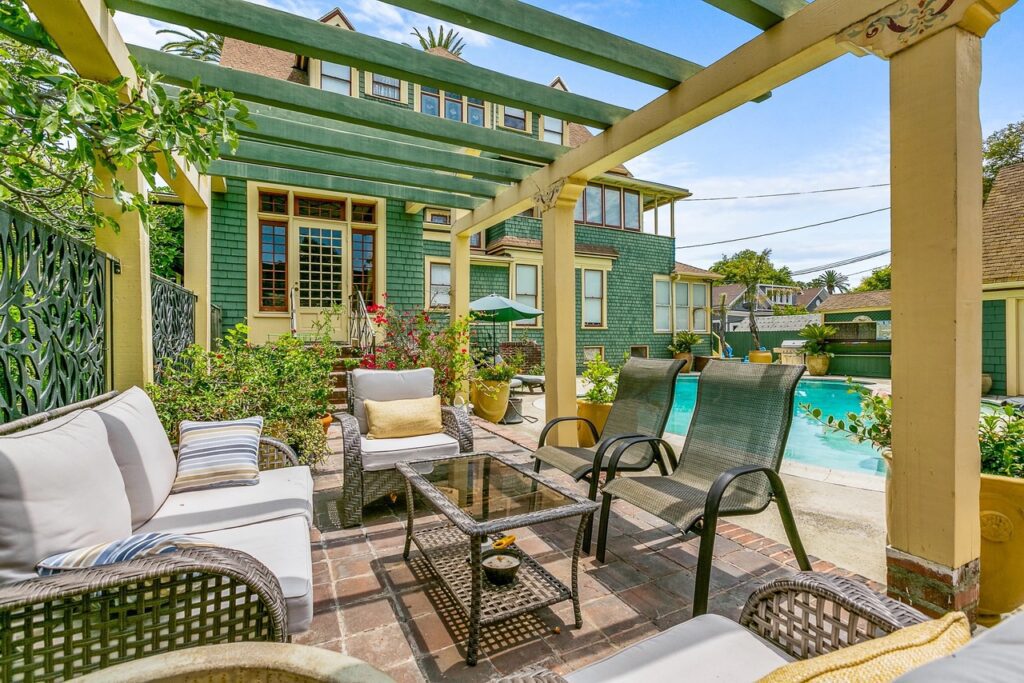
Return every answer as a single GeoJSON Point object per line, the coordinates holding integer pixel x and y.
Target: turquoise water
{"type": "Point", "coordinates": [808, 443]}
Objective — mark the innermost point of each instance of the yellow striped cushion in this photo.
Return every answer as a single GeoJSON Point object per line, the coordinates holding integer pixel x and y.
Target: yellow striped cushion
{"type": "Point", "coordinates": [882, 659]}
{"type": "Point", "coordinates": [216, 454]}
{"type": "Point", "coordinates": [403, 418]}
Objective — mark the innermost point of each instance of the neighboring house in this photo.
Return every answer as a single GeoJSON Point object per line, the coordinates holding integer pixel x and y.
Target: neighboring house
{"type": "Point", "coordinates": [769, 296]}
{"type": "Point", "coordinates": [282, 254]}
{"type": "Point", "coordinates": [811, 298]}
{"type": "Point", "coordinates": [781, 323]}
{"type": "Point", "coordinates": [844, 308]}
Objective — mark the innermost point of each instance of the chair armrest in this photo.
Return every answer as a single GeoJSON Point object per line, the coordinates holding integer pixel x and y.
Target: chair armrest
{"type": "Point", "coordinates": [275, 454]}
{"type": "Point", "coordinates": [656, 443]}
{"type": "Point", "coordinates": [810, 614]}
{"type": "Point", "coordinates": [576, 418]}
{"type": "Point", "coordinates": [455, 420]}
{"type": "Point", "coordinates": [119, 612]}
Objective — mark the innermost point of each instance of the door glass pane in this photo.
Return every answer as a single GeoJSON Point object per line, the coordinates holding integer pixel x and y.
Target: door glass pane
{"type": "Point", "coordinates": [612, 207]}
{"type": "Point", "coordinates": [631, 210]}
{"type": "Point", "coordinates": [363, 248]}
{"type": "Point", "coordinates": [594, 208]}
{"type": "Point", "coordinates": [273, 267]}
{"type": "Point", "coordinates": [321, 268]}
{"type": "Point", "coordinates": [440, 284]}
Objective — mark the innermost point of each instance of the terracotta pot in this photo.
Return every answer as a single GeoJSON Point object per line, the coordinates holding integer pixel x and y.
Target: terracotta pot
{"type": "Point", "coordinates": [688, 357]}
{"type": "Point", "coordinates": [490, 399]}
{"type": "Point", "coordinates": [760, 356]}
{"type": "Point", "coordinates": [986, 383]}
{"type": "Point", "coordinates": [817, 364]}
{"type": "Point", "coordinates": [1002, 546]}
{"type": "Point", "coordinates": [596, 413]}
{"type": "Point", "coordinates": [326, 421]}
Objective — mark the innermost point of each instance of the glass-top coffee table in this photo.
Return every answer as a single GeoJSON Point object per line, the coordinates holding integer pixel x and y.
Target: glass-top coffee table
{"type": "Point", "coordinates": [483, 496]}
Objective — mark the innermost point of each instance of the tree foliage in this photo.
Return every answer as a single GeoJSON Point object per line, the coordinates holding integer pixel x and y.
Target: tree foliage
{"type": "Point", "coordinates": [880, 278]}
{"type": "Point", "coordinates": [1003, 148]}
{"type": "Point", "coordinates": [734, 268]}
{"type": "Point", "coordinates": [833, 281]}
{"type": "Point", "coordinates": [450, 41]}
{"type": "Point", "coordinates": [750, 271]}
{"type": "Point", "coordinates": [206, 47]}
{"type": "Point", "coordinates": [166, 240]}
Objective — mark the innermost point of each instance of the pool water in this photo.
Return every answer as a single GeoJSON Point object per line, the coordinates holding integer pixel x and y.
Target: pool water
{"type": "Point", "coordinates": [808, 443]}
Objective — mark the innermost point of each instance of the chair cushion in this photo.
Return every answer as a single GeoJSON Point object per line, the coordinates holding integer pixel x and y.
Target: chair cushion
{"type": "Point", "coordinates": [402, 418]}
{"type": "Point", "coordinates": [282, 492]}
{"type": "Point", "coordinates": [387, 385]}
{"type": "Point", "coordinates": [60, 489]}
{"type": "Point", "coordinates": [283, 546]}
{"type": "Point", "coordinates": [881, 659]}
{"type": "Point", "coordinates": [218, 454]}
{"type": "Point", "coordinates": [142, 451]}
{"type": "Point", "coordinates": [707, 648]}
{"type": "Point", "coordinates": [382, 454]}
{"type": "Point", "coordinates": [121, 550]}
{"type": "Point", "coordinates": [996, 654]}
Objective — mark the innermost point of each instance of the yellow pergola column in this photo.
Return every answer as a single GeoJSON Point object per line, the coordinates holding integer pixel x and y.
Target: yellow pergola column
{"type": "Point", "coordinates": [460, 275]}
{"type": "Point", "coordinates": [198, 276]}
{"type": "Point", "coordinates": [558, 204]}
{"type": "Point", "coordinates": [131, 301]}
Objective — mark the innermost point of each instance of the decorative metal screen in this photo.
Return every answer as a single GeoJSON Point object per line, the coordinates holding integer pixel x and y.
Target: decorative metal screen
{"type": "Point", "coordinates": [174, 320]}
{"type": "Point", "coordinates": [321, 267]}
{"type": "Point", "coordinates": [53, 328]}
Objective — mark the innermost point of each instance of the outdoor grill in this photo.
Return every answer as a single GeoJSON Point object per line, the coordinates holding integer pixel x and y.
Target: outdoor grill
{"type": "Point", "coordinates": [791, 352]}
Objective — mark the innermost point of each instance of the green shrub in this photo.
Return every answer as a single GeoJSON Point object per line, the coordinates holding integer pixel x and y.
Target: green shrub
{"type": "Point", "coordinates": [1001, 438]}
{"type": "Point", "coordinates": [684, 342]}
{"type": "Point", "coordinates": [603, 381]}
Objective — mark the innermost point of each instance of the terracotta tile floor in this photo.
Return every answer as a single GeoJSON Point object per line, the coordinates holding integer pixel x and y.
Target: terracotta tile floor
{"type": "Point", "coordinates": [372, 604]}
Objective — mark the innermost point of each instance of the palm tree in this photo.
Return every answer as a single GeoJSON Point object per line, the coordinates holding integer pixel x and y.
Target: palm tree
{"type": "Point", "coordinates": [199, 45]}
{"type": "Point", "coordinates": [833, 281]}
{"type": "Point", "coordinates": [450, 41]}
{"type": "Point", "coordinates": [751, 273]}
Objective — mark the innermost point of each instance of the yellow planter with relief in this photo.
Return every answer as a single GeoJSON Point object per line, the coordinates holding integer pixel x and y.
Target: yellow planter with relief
{"type": "Point", "coordinates": [490, 399]}
{"type": "Point", "coordinates": [760, 356]}
{"type": "Point", "coordinates": [596, 413]}
{"type": "Point", "coordinates": [817, 364]}
{"type": "Point", "coordinates": [1002, 546]}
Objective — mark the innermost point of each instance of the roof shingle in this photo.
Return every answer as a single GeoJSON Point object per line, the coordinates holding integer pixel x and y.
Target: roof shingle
{"type": "Point", "coordinates": [855, 301]}
{"type": "Point", "coordinates": [1002, 231]}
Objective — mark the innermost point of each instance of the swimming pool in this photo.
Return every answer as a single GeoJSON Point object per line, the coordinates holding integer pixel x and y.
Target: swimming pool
{"type": "Point", "coordinates": [808, 443]}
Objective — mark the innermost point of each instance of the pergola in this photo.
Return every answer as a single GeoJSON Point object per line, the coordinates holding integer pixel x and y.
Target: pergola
{"type": "Point", "coordinates": [318, 139]}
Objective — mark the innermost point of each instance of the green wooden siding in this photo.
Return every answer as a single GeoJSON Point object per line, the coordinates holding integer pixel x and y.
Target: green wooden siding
{"type": "Point", "coordinates": [228, 249]}
{"type": "Point", "coordinates": [848, 316]}
{"type": "Point", "coordinates": [993, 343]}
{"type": "Point", "coordinates": [405, 251]}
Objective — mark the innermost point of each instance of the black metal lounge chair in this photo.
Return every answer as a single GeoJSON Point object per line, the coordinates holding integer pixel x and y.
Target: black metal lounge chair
{"type": "Point", "coordinates": [641, 408]}
{"type": "Point", "coordinates": [728, 466]}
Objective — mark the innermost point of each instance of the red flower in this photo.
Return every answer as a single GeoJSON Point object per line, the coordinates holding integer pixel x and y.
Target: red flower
{"type": "Point", "coordinates": [391, 365]}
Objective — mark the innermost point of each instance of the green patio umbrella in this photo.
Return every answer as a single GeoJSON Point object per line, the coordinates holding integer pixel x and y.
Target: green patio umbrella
{"type": "Point", "coordinates": [500, 309]}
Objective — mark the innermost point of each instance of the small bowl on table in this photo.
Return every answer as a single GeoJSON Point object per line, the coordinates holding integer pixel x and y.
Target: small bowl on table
{"type": "Point", "coordinates": [501, 565]}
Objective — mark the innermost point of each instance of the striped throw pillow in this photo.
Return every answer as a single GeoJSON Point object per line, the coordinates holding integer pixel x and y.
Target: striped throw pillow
{"type": "Point", "coordinates": [139, 545]}
{"type": "Point", "coordinates": [216, 454]}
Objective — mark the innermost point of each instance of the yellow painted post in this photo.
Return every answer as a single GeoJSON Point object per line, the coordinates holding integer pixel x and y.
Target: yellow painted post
{"type": "Point", "coordinates": [460, 275]}
{"type": "Point", "coordinates": [557, 205]}
{"type": "Point", "coordinates": [198, 277]}
{"type": "Point", "coordinates": [132, 303]}
{"type": "Point", "coordinates": [934, 535]}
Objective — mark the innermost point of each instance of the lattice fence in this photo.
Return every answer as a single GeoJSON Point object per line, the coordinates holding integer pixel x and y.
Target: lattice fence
{"type": "Point", "coordinates": [174, 320]}
{"type": "Point", "coordinates": [53, 318]}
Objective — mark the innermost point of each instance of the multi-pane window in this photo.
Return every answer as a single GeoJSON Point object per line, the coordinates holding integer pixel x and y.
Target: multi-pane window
{"type": "Point", "coordinates": [440, 285]}
{"type": "Point", "coordinates": [609, 206]}
{"type": "Point", "coordinates": [387, 87]}
{"type": "Point", "coordinates": [364, 212]}
{"type": "Point", "coordinates": [363, 262]}
{"type": "Point", "coordinates": [321, 267]}
{"type": "Point", "coordinates": [682, 306]}
{"type": "Point", "coordinates": [452, 106]}
{"type": "Point", "coordinates": [593, 206]}
{"type": "Point", "coordinates": [700, 308]}
{"type": "Point", "coordinates": [613, 207]}
{"type": "Point", "coordinates": [662, 305]}
{"type": "Point", "coordinates": [593, 298]}
{"type": "Point", "coordinates": [273, 202]}
{"type": "Point", "coordinates": [439, 217]}
{"type": "Point", "coordinates": [527, 289]}
{"type": "Point", "coordinates": [553, 130]}
{"type": "Point", "coordinates": [273, 265]}
{"type": "Point", "coordinates": [631, 210]}
{"type": "Point", "coordinates": [430, 101]}
{"type": "Point", "coordinates": [514, 118]}
{"type": "Point", "coordinates": [476, 240]}
{"type": "Point", "coordinates": [327, 209]}
{"type": "Point", "coordinates": [475, 111]}
{"type": "Point", "coordinates": [336, 78]}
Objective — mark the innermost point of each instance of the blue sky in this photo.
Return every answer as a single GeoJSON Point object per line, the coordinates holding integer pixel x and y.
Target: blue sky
{"type": "Point", "coordinates": [827, 129]}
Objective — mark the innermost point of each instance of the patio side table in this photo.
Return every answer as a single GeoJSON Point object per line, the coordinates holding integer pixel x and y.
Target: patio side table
{"type": "Point", "coordinates": [482, 496]}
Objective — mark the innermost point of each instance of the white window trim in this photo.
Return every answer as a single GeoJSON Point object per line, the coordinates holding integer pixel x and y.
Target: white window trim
{"type": "Point", "coordinates": [430, 261]}
{"type": "Point", "coordinates": [690, 308]}
{"type": "Point", "coordinates": [671, 304]}
{"type": "Point", "coordinates": [537, 323]}
{"type": "Point", "coordinates": [604, 298]}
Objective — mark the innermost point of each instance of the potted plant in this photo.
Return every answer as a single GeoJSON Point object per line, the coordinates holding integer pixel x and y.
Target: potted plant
{"type": "Point", "coordinates": [490, 390]}
{"type": "Point", "coordinates": [682, 347]}
{"type": "Point", "coordinates": [752, 272]}
{"type": "Point", "coordinates": [596, 403]}
{"type": "Point", "coordinates": [816, 347]}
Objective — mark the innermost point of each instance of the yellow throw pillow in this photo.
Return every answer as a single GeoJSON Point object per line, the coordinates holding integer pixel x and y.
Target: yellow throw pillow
{"type": "Point", "coordinates": [406, 417]}
{"type": "Point", "coordinates": [881, 659]}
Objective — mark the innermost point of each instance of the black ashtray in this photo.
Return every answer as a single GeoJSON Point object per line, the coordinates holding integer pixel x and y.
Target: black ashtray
{"type": "Point", "coordinates": [501, 566]}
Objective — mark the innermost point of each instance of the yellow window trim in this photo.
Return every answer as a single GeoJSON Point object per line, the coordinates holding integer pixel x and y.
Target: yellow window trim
{"type": "Point", "coordinates": [538, 322]}
{"type": "Point", "coordinates": [671, 304]}
{"type": "Point", "coordinates": [428, 261]}
{"type": "Point", "coordinates": [690, 283]}
{"type": "Point", "coordinates": [500, 123]}
{"type": "Point", "coordinates": [316, 74]}
{"type": "Point", "coordinates": [604, 299]}
{"type": "Point", "coordinates": [417, 90]}
{"type": "Point", "coordinates": [367, 88]}
{"type": "Point", "coordinates": [565, 140]}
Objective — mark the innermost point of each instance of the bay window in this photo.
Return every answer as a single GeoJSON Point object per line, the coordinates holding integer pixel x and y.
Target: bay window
{"type": "Point", "coordinates": [700, 310]}
{"type": "Point", "coordinates": [682, 306]}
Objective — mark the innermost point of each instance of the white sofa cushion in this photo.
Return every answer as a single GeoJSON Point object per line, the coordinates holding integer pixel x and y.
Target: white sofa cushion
{"type": "Point", "coordinates": [387, 385]}
{"type": "Point", "coordinates": [707, 648]}
{"type": "Point", "coordinates": [142, 451]}
{"type": "Point", "coordinates": [996, 654]}
{"type": "Point", "coordinates": [382, 454]}
{"type": "Point", "coordinates": [283, 546]}
{"type": "Point", "coordinates": [283, 492]}
{"type": "Point", "coordinates": [60, 489]}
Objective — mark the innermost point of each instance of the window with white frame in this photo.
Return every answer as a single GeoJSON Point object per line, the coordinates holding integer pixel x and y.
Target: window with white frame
{"type": "Point", "coordinates": [593, 298]}
{"type": "Point", "coordinates": [699, 295]}
{"type": "Point", "coordinates": [662, 305]}
{"type": "Point", "coordinates": [336, 78]}
{"type": "Point", "coordinates": [388, 87]}
{"type": "Point", "coordinates": [680, 306]}
{"type": "Point", "coordinates": [681, 291]}
{"type": "Point", "coordinates": [526, 290]}
{"type": "Point", "coordinates": [553, 130]}
{"type": "Point", "coordinates": [440, 285]}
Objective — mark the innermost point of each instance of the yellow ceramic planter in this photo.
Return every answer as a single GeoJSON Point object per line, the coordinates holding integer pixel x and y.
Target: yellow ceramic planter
{"type": "Point", "coordinates": [1002, 546]}
{"type": "Point", "coordinates": [596, 413]}
{"type": "Point", "coordinates": [760, 356]}
{"type": "Point", "coordinates": [490, 399]}
{"type": "Point", "coordinates": [817, 365]}
{"type": "Point", "coordinates": [688, 357]}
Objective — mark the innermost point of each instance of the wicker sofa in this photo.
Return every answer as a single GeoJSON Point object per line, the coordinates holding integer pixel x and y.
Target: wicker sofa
{"type": "Point", "coordinates": [101, 470]}
{"type": "Point", "coordinates": [369, 464]}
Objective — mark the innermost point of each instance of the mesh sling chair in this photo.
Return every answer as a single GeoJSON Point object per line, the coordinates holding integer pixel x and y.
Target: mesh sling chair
{"type": "Point", "coordinates": [728, 466]}
{"type": "Point", "coordinates": [643, 402]}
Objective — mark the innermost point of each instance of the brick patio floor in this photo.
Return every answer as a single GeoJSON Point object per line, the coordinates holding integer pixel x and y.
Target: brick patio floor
{"type": "Point", "coordinates": [371, 604]}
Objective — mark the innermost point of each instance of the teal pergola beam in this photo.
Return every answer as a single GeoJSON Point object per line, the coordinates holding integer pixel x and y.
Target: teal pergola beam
{"type": "Point", "coordinates": [761, 13]}
{"type": "Point", "coordinates": [237, 170]}
{"type": "Point", "coordinates": [302, 98]}
{"type": "Point", "coordinates": [284, 31]}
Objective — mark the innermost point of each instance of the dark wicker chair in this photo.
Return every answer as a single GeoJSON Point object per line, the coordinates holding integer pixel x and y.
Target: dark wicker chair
{"type": "Point", "coordinates": [728, 466]}
{"type": "Point", "coordinates": [61, 626]}
{"type": "Point", "coordinates": [641, 408]}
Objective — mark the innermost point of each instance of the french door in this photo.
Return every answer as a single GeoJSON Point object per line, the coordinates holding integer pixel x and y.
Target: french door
{"type": "Point", "coordinates": [321, 275]}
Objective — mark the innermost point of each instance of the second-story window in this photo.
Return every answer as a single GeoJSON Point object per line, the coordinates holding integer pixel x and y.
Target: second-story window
{"type": "Point", "coordinates": [514, 118]}
{"type": "Point", "coordinates": [336, 78]}
{"type": "Point", "coordinates": [439, 295]}
{"type": "Point", "coordinates": [609, 206]}
{"type": "Point", "coordinates": [430, 101]}
{"type": "Point", "coordinates": [553, 130]}
{"type": "Point", "coordinates": [452, 106]}
{"type": "Point", "coordinates": [387, 87]}
{"type": "Point", "coordinates": [475, 111]}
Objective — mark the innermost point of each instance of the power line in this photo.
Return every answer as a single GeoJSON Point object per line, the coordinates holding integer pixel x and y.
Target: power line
{"type": "Point", "coordinates": [784, 194]}
{"type": "Point", "coordinates": [779, 232]}
{"type": "Point", "coordinates": [861, 272]}
{"type": "Point", "coordinates": [844, 262]}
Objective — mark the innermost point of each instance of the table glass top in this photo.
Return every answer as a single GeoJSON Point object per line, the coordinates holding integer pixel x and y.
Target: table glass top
{"type": "Point", "coordinates": [488, 489]}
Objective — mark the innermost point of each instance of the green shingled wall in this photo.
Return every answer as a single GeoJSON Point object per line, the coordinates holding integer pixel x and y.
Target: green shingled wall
{"type": "Point", "coordinates": [228, 247]}
{"type": "Point", "coordinates": [405, 251]}
{"type": "Point", "coordinates": [993, 343]}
